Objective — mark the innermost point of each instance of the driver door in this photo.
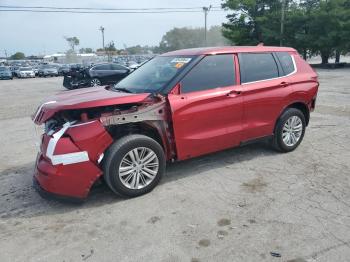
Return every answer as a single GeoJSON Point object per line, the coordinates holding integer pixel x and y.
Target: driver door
{"type": "Point", "coordinates": [207, 114]}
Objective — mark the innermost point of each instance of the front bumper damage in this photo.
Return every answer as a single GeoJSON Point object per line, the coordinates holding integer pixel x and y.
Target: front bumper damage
{"type": "Point", "coordinates": [68, 161]}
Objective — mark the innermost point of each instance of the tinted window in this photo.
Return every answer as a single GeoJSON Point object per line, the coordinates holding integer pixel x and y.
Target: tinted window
{"type": "Point", "coordinates": [286, 62]}
{"type": "Point", "coordinates": [211, 72]}
{"type": "Point", "coordinates": [102, 67]}
{"type": "Point", "coordinates": [117, 67]}
{"type": "Point", "coordinates": [255, 67]}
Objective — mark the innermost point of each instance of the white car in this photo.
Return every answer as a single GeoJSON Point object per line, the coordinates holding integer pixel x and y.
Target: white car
{"type": "Point", "coordinates": [24, 72]}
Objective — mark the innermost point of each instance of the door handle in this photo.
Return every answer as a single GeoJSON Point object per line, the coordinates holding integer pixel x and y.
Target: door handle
{"type": "Point", "coordinates": [234, 93]}
{"type": "Point", "coordinates": [284, 84]}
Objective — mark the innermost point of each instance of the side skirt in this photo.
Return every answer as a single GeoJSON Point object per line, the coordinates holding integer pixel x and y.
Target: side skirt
{"type": "Point", "coordinates": [255, 140]}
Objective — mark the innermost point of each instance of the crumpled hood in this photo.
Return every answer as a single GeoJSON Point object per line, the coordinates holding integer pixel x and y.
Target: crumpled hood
{"type": "Point", "coordinates": [84, 98]}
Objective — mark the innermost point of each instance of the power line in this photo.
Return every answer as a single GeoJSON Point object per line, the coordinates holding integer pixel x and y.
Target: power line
{"type": "Point", "coordinates": [105, 12]}
{"type": "Point", "coordinates": [104, 9]}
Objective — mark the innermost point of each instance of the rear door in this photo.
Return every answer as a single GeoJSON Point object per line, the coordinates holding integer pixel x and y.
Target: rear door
{"type": "Point", "coordinates": [102, 72]}
{"type": "Point", "coordinates": [266, 89]}
{"type": "Point", "coordinates": [207, 114]}
{"type": "Point", "coordinates": [119, 72]}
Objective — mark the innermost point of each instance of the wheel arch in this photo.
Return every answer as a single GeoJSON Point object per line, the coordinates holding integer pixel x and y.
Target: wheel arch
{"type": "Point", "coordinates": [302, 106]}
{"type": "Point", "coordinates": [152, 129]}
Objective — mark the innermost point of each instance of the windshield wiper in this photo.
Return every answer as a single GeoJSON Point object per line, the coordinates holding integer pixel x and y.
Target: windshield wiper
{"type": "Point", "coordinates": [121, 89]}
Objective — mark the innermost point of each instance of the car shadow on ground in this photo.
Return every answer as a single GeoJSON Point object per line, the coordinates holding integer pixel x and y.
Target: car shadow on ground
{"type": "Point", "coordinates": [19, 199]}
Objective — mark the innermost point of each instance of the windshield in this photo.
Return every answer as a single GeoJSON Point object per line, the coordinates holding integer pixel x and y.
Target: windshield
{"type": "Point", "coordinates": [25, 69]}
{"type": "Point", "coordinates": [154, 75]}
{"type": "Point", "coordinates": [2, 68]}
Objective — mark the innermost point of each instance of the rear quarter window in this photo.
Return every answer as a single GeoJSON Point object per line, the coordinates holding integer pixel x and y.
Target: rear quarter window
{"type": "Point", "coordinates": [257, 67]}
{"type": "Point", "coordinates": [118, 67]}
{"type": "Point", "coordinates": [286, 62]}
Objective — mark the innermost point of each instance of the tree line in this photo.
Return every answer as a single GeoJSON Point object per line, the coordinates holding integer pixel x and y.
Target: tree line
{"type": "Point", "coordinates": [313, 27]}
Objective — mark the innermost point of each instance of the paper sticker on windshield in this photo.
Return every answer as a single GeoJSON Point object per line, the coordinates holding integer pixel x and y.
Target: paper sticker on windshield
{"type": "Point", "coordinates": [179, 65]}
{"type": "Point", "coordinates": [181, 60]}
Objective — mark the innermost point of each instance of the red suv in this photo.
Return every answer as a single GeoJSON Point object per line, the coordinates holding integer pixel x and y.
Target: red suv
{"type": "Point", "coordinates": [177, 106]}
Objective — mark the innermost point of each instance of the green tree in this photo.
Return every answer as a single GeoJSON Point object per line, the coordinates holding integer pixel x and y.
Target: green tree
{"type": "Point", "coordinates": [253, 21]}
{"type": "Point", "coordinates": [86, 50]}
{"type": "Point", "coordinates": [179, 38]}
{"type": "Point", "coordinates": [328, 24]}
{"type": "Point", "coordinates": [72, 42]}
{"type": "Point", "coordinates": [18, 56]}
{"type": "Point", "coordinates": [311, 26]}
{"type": "Point", "coordinates": [110, 50]}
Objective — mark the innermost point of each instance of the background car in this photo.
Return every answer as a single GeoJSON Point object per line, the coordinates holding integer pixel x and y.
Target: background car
{"type": "Point", "coordinates": [109, 73]}
{"type": "Point", "coordinates": [47, 70]}
{"type": "Point", "coordinates": [133, 65]}
{"type": "Point", "coordinates": [63, 69]}
{"type": "Point", "coordinates": [5, 73]}
{"type": "Point", "coordinates": [24, 72]}
{"type": "Point", "coordinates": [100, 74]}
{"type": "Point", "coordinates": [13, 70]}
{"type": "Point", "coordinates": [36, 70]}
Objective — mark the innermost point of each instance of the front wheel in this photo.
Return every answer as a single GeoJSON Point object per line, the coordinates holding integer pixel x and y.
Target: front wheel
{"type": "Point", "coordinates": [134, 165]}
{"type": "Point", "coordinates": [95, 82]}
{"type": "Point", "coordinates": [290, 130]}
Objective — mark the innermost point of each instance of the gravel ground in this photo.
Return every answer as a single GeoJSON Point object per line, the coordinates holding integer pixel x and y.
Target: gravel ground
{"type": "Point", "coordinates": [236, 205]}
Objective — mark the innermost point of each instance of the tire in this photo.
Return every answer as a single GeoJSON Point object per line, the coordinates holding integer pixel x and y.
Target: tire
{"type": "Point", "coordinates": [95, 82]}
{"type": "Point", "coordinates": [117, 156]}
{"type": "Point", "coordinates": [288, 136]}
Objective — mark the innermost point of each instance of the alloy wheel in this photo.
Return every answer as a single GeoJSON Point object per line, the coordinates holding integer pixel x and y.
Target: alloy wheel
{"type": "Point", "coordinates": [138, 168]}
{"type": "Point", "coordinates": [292, 131]}
{"type": "Point", "coordinates": [95, 82]}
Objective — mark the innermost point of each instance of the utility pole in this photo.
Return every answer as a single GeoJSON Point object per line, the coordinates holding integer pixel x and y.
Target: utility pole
{"type": "Point", "coordinates": [102, 29]}
{"type": "Point", "coordinates": [5, 51]}
{"type": "Point", "coordinates": [282, 22]}
{"type": "Point", "coordinates": [205, 10]}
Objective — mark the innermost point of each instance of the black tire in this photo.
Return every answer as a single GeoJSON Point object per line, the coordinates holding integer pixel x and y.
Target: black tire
{"type": "Point", "coordinates": [114, 155]}
{"type": "Point", "coordinates": [277, 141]}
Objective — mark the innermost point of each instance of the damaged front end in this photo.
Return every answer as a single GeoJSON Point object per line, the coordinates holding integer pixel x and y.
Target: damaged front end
{"type": "Point", "coordinates": [75, 139]}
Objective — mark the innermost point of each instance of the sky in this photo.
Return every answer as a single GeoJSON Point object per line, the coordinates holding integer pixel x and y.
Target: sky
{"type": "Point", "coordinates": [43, 33]}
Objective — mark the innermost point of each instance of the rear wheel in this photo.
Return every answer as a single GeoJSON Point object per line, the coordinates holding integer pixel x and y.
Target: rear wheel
{"type": "Point", "coordinates": [134, 165]}
{"type": "Point", "coordinates": [95, 82]}
{"type": "Point", "coordinates": [290, 130]}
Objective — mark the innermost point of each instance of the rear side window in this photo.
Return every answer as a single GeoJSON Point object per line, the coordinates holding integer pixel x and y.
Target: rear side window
{"type": "Point", "coordinates": [102, 67]}
{"type": "Point", "coordinates": [256, 67]}
{"type": "Point", "coordinates": [117, 67]}
{"type": "Point", "coordinates": [211, 72]}
{"type": "Point", "coordinates": [286, 62]}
